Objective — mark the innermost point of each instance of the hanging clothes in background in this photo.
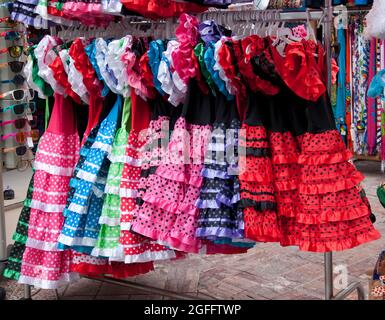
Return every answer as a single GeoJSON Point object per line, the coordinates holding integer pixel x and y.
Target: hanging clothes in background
{"type": "Point", "coordinates": [358, 114]}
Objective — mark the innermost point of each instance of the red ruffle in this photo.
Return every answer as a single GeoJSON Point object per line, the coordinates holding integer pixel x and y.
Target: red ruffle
{"type": "Point", "coordinates": [115, 269]}
{"type": "Point", "coordinates": [319, 159]}
{"type": "Point", "coordinates": [261, 227]}
{"type": "Point", "coordinates": [335, 186]}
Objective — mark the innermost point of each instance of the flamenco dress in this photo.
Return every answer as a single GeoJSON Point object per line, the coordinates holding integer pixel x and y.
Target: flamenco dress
{"type": "Point", "coordinates": [319, 199]}
{"type": "Point", "coordinates": [135, 247]}
{"type": "Point", "coordinates": [168, 213]}
{"type": "Point", "coordinates": [43, 264]}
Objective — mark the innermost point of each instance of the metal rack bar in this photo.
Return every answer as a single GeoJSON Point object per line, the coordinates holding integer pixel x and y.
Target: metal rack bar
{"type": "Point", "coordinates": [328, 256]}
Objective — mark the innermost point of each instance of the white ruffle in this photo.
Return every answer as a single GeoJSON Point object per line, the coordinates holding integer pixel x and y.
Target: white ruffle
{"type": "Point", "coordinates": [75, 78]}
{"type": "Point", "coordinates": [97, 192]}
{"type": "Point", "coordinates": [42, 10]}
{"type": "Point", "coordinates": [100, 56]}
{"type": "Point", "coordinates": [176, 97]}
{"type": "Point", "coordinates": [111, 190]}
{"type": "Point", "coordinates": [125, 226]}
{"type": "Point", "coordinates": [219, 68]}
{"type": "Point", "coordinates": [111, 222]}
{"type": "Point", "coordinates": [49, 284]}
{"type": "Point", "coordinates": [102, 146]}
{"type": "Point", "coordinates": [71, 242]}
{"type": "Point", "coordinates": [111, 253]}
{"type": "Point", "coordinates": [45, 56]}
{"type": "Point", "coordinates": [113, 7]}
{"type": "Point", "coordinates": [126, 160]}
{"type": "Point", "coordinates": [375, 20]}
{"type": "Point", "coordinates": [128, 193]}
{"type": "Point", "coordinates": [28, 76]}
{"type": "Point", "coordinates": [45, 207]}
{"type": "Point", "coordinates": [42, 245]}
{"type": "Point", "coordinates": [113, 58]}
{"type": "Point", "coordinates": [52, 169]}
{"type": "Point", "coordinates": [87, 176]}
{"type": "Point", "coordinates": [150, 256]}
{"type": "Point", "coordinates": [77, 208]}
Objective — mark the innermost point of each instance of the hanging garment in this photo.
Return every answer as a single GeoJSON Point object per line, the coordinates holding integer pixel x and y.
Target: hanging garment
{"type": "Point", "coordinates": [44, 265]}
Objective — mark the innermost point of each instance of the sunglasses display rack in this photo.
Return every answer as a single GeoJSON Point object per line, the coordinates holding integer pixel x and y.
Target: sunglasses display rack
{"type": "Point", "coordinates": [11, 78]}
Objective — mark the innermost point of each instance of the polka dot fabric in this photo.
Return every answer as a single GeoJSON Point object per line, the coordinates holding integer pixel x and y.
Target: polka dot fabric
{"type": "Point", "coordinates": [43, 264]}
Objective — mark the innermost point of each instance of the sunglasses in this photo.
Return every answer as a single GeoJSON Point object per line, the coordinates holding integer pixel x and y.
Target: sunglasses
{"type": "Point", "coordinates": [21, 108]}
{"type": "Point", "coordinates": [20, 150]}
{"type": "Point", "coordinates": [8, 22]}
{"type": "Point", "coordinates": [14, 51]}
{"type": "Point", "coordinates": [21, 137]}
{"type": "Point", "coordinates": [16, 66]}
{"type": "Point", "coordinates": [19, 94]}
{"type": "Point", "coordinates": [11, 35]}
{"type": "Point", "coordinates": [17, 80]}
{"type": "Point", "coordinates": [20, 123]}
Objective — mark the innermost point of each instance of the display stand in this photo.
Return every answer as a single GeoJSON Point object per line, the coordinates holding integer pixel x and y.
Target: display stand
{"type": "Point", "coordinates": [324, 17]}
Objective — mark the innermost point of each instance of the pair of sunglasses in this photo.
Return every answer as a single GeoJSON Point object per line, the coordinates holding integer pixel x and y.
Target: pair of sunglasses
{"type": "Point", "coordinates": [20, 123]}
{"type": "Point", "coordinates": [17, 80]}
{"type": "Point", "coordinates": [19, 94]}
{"type": "Point", "coordinates": [11, 35]}
{"type": "Point", "coordinates": [8, 22]}
{"type": "Point", "coordinates": [14, 51]}
{"type": "Point", "coordinates": [21, 108]}
{"type": "Point", "coordinates": [16, 66]}
{"type": "Point", "coordinates": [21, 137]}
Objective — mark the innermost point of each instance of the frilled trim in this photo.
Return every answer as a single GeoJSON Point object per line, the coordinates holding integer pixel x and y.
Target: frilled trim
{"type": "Point", "coordinates": [20, 238]}
{"type": "Point", "coordinates": [340, 245]}
{"type": "Point", "coordinates": [46, 207]}
{"type": "Point", "coordinates": [284, 159]}
{"type": "Point", "coordinates": [42, 245]}
{"type": "Point", "coordinates": [286, 185]}
{"type": "Point", "coordinates": [128, 193]}
{"type": "Point", "coordinates": [306, 159]}
{"type": "Point", "coordinates": [125, 159]}
{"type": "Point", "coordinates": [211, 174]}
{"type": "Point", "coordinates": [49, 284]}
{"type": "Point", "coordinates": [263, 234]}
{"type": "Point", "coordinates": [150, 256]}
{"type": "Point", "coordinates": [333, 214]}
{"type": "Point", "coordinates": [116, 270]}
{"type": "Point", "coordinates": [218, 232]}
{"type": "Point", "coordinates": [52, 169]}
{"type": "Point", "coordinates": [168, 206]}
{"type": "Point", "coordinates": [171, 175]}
{"type": "Point", "coordinates": [111, 222]}
{"type": "Point", "coordinates": [11, 274]}
{"type": "Point", "coordinates": [339, 185]}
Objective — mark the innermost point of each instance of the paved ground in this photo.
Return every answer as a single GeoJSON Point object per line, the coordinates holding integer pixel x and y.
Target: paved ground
{"type": "Point", "coordinates": [266, 272]}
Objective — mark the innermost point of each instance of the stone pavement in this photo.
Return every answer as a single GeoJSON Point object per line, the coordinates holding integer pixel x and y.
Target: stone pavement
{"type": "Point", "coordinates": [266, 272]}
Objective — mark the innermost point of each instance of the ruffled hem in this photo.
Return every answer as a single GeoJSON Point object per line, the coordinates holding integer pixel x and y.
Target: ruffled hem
{"type": "Point", "coordinates": [212, 174]}
{"type": "Point", "coordinates": [52, 169]}
{"type": "Point", "coordinates": [116, 270]}
{"type": "Point", "coordinates": [42, 245]}
{"type": "Point", "coordinates": [45, 207]}
{"type": "Point", "coordinates": [128, 193]}
{"type": "Point", "coordinates": [11, 274]}
{"type": "Point", "coordinates": [150, 256]}
{"type": "Point", "coordinates": [339, 185]}
{"type": "Point", "coordinates": [307, 159]}
{"type": "Point", "coordinates": [212, 233]}
{"type": "Point", "coordinates": [111, 222]}
{"type": "Point", "coordinates": [49, 284]}
{"type": "Point", "coordinates": [333, 215]}
{"type": "Point", "coordinates": [263, 234]}
{"type": "Point", "coordinates": [255, 177]}
{"type": "Point", "coordinates": [20, 238]}
{"type": "Point", "coordinates": [286, 185]}
{"type": "Point", "coordinates": [169, 206]}
{"type": "Point", "coordinates": [284, 159]}
{"type": "Point", "coordinates": [353, 241]}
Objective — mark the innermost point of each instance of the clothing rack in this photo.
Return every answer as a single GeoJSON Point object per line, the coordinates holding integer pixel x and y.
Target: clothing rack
{"type": "Point", "coordinates": [324, 17]}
